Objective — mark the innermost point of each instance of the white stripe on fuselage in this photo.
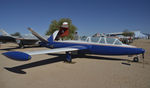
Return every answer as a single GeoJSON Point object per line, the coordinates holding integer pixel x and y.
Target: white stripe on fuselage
{"type": "Point", "coordinates": [92, 43]}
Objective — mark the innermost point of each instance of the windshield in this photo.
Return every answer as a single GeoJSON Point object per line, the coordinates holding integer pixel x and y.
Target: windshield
{"type": "Point", "coordinates": [117, 42]}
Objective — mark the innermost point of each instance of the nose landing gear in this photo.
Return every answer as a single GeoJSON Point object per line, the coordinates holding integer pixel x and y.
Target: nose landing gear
{"type": "Point", "coordinates": [136, 59]}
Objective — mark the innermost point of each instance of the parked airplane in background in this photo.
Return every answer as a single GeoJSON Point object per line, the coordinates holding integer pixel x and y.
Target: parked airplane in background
{"type": "Point", "coordinates": [21, 41]}
{"type": "Point", "coordinates": [101, 46]}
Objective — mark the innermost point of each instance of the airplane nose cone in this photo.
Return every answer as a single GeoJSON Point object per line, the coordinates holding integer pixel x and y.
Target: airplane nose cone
{"type": "Point", "coordinates": [142, 51]}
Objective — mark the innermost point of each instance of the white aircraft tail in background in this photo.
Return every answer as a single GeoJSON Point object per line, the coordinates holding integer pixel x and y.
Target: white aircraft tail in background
{"type": "Point", "coordinates": [4, 33]}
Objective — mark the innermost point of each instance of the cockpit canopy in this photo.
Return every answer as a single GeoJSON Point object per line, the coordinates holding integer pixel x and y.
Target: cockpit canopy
{"type": "Point", "coordinates": [102, 40]}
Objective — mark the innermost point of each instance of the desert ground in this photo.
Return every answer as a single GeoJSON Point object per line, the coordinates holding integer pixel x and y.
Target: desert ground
{"type": "Point", "coordinates": [92, 71]}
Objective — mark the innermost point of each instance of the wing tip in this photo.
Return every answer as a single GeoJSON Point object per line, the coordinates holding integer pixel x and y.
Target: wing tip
{"type": "Point", "coordinates": [16, 55]}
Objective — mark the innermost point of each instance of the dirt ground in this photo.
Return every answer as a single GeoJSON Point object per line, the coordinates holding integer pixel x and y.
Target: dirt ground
{"type": "Point", "coordinates": [92, 71]}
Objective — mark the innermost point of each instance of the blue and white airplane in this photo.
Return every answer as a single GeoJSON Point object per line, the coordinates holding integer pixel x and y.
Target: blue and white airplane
{"type": "Point", "coordinates": [101, 46]}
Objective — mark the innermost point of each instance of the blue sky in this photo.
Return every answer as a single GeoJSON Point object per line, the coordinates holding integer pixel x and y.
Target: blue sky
{"type": "Point", "coordinates": [89, 16]}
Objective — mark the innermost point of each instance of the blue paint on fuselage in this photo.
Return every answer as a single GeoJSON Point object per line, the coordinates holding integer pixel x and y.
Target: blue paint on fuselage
{"type": "Point", "coordinates": [102, 49]}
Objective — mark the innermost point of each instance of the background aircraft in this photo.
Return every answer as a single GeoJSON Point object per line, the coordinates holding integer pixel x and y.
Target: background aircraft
{"type": "Point", "coordinates": [101, 46]}
{"type": "Point", "coordinates": [20, 40]}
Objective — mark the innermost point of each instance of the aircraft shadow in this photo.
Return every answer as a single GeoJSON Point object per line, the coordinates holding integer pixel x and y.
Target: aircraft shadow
{"type": "Point", "coordinates": [19, 69]}
{"type": "Point", "coordinates": [93, 57]}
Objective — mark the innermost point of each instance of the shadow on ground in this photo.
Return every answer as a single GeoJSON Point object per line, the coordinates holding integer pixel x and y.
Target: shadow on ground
{"type": "Point", "coordinates": [60, 57]}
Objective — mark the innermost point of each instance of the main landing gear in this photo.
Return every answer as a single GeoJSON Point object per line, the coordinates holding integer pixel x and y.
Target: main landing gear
{"type": "Point", "coordinates": [68, 57]}
{"type": "Point", "coordinates": [20, 43]}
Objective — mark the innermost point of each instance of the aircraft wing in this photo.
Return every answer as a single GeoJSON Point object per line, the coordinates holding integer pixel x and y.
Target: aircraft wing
{"type": "Point", "coordinates": [26, 55]}
{"type": "Point", "coordinates": [73, 48]}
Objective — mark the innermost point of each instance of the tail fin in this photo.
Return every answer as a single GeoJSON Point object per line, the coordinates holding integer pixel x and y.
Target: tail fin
{"type": "Point", "coordinates": [4, 33]}
{"type": "Point", "coordinates": [53, 36]}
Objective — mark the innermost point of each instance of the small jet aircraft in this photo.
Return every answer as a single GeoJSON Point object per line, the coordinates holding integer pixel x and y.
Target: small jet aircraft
{"type": "Point", "coordinates": [21, 41]}
{"type": "Point", "coordinates": [101, 46]}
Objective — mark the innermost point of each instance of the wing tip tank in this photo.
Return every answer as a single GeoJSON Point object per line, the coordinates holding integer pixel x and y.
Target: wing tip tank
{"type": "Point", "coordinates": [16, 55]}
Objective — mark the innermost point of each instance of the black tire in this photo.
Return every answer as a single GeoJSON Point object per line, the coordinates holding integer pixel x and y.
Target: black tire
{"type": "Point", "coordinates": [135, 59]}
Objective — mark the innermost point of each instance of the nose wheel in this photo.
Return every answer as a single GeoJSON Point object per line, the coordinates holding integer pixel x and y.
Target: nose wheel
{"type": "Point", "coordinates": [136, 59]}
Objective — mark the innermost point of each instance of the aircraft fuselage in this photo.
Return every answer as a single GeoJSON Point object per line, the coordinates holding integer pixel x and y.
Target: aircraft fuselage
{"type": "Point", "coordinates": [102, 49]}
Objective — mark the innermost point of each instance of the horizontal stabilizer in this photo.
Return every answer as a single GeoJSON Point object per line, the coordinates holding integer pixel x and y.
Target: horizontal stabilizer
{"type": "Point", "coordinates": [16, 55]}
